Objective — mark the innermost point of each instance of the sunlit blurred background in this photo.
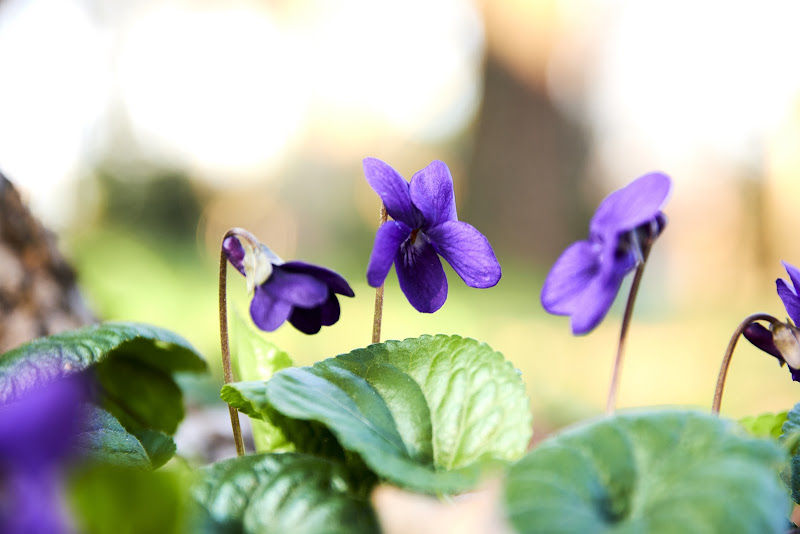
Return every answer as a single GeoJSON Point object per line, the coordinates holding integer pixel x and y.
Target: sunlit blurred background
{"type": "Point", "coordinates": [140, 131]}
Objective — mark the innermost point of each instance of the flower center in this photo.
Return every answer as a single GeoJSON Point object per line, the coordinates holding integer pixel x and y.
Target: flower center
{"type": "Point", "coordinates": [412, 246]}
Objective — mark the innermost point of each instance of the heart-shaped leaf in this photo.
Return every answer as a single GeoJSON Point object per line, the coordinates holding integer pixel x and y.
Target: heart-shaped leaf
{"type": "Point", "coordinates": [427, 413]}
{"type": "Point", "coordinates": [649, 472]}
{"type": "Point", "coordinates": [281, 493]}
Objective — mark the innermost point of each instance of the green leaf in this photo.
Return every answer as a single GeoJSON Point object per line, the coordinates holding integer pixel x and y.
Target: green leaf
{"type": "Point", "coordinates": [105, 440]}
{"type": "Point", "coordinates": [790, 436]}
{"type": "Point", "coordinates": [139, 395]}
{"type": "Point", "coordinates": [792, 424]}
{"type": "Point", "coordinates": [767, 425]}
{"type": "Point", "coordinates": [159, 446]}
{"type": "Point", "coordinates": [255, 358]}
{"type": "Point", "coordinates": [649, 472]}
{"type": "Point", "coordinates": [428, 413]}
{"type": "Point", "coordinates": [133, 364]}
{"type": "Point", "coordinates": [281, 493]}
{"type": "Point", "coordinates": [313, 437]}
{"type": "Point", "coordinates": [48, 358]}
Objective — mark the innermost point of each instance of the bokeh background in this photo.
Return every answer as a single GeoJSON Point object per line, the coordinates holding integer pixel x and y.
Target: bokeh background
{"type": "Point", "coordinates": [140, 131]}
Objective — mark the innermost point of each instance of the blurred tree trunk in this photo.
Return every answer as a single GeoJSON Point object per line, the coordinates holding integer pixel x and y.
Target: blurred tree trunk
{"type": "Point", "coordinates": [38, 294]}
{"type": "Point", "coordinates": [528, 166]}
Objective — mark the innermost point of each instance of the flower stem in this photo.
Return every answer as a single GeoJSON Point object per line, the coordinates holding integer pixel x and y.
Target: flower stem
{"type": "Point", "coordinates": [226, 353]}
{"type": "Point", "coordinates": [611, 401]}
{"type": "Point", "coordinates": [377, 317]}
{"type": "Point", "coordinates": [726, 360]}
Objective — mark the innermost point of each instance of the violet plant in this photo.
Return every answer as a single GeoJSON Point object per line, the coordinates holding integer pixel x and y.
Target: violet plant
{"type": "Point", "coordinates": [299, 292]}
{"type": "Point", "coordinates": [436, 415]}
{"type": "Point", "coordinates": [585, 279]}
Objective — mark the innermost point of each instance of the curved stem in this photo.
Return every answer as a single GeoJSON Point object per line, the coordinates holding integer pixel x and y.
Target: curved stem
{"type": "Point", "coordinates": [377, 317]}
{"type": "Point", "coordinates": [611, 401]}
{"type": "Point", "coordinates": [726, 360]}
{"type": "Point", "coordinates": [226, 353]}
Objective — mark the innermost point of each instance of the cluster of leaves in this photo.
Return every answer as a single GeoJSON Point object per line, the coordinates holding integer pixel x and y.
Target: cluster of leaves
{"type": "Point", "coordinates": [430, 414]}
{"type": "Point", "coordinates": [435, 415]}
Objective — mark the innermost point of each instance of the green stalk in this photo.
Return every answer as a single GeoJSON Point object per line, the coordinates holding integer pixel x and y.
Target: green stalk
{"type": "Point", "coordinates": [225, 347]}
{"type": "Point", "coordinates": [377, 317]}
{"type": "Point", "coordinates": [726, 359]}
{"type": "Point", "coordinates": [613, 389]}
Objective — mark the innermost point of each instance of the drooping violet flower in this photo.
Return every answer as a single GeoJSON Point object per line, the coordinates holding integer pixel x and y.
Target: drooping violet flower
{"type": "Point", "coordinates": [37, 431]}
{"type": "Point", "coordinates": [304, 294]}
{"type": "Point", "coordinates": [585, 279]}
{"type": "Point", "coordinates": [425, 226]}
{"type": "Point", "coordinates": [782, 340]}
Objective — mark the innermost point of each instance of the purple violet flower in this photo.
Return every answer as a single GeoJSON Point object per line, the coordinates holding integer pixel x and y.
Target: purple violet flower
{"type": "Point", "coordinates": [304, 294]}
{"type": "Point", "coordinates": [425, 226]}
{"type": "Point", "coordinates": [37, 432]}
{"type": "Point", "coordinates": [585, 279]}
{"type": "Point", "coordinates": [781, 339]}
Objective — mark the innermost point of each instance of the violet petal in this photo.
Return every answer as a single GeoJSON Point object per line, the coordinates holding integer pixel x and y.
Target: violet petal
{"type": "Point", "coordinates": [297, 289]}
{"type": "Point", "coordinates": [583, 287]}
{"type": "Point", "coordinates": [268, 313]}
{"type": "Point", "coordinates": [432, 193]}
{"type": "Point", "coordinates": [307, 320]}
{"type": "Point", "coordinates": [633, 205]}
{"type": "Point", "coordinates": [593, 303]}
{"type": "Point", "coordinates": [570, 275]}
{"type": "Point", "coordinates": [330, 311]}
{"type": "Point", "coordinates": [310, 321]}
{"type": "Point", "coordinates": [421, 275]}
{"type": "Point", "coordinates": [794, 274]}
{"type": "Point", "coordinates": [790, 299]}
{"type": "Point", "coordinates": [332, 279]}
{"type": "Point", "coordinates": [467, 251]}
{"type": "Point", "coordinates": [234, 251]}
{"type": "Point", "coordinates": [28, 424]}
{"type": "Point", "coordinates": [36, 504]}
{"type": "Point", "coordinates": [795, 374]}
{"type": "Point", "coordinates": [37, 431]}
{"type": "Point", "coordinates": [388, 239]}
{"type": "Point", "coordinates": [393, 190]}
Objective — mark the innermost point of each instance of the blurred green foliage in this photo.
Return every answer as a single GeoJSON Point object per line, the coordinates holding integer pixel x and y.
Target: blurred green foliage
{"type": "Point", "coordinates": [113, 500]}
